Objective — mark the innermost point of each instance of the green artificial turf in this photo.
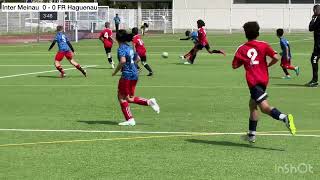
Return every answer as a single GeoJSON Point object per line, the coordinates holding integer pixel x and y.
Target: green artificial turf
{"type": "Point", "coordinates": [208, 96]}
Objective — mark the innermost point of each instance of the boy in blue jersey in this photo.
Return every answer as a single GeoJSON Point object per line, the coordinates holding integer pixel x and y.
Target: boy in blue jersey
{"type": "Point", "coordinates": [193, 36]}
{"type": "Point", "coordinates": [65, 50]}
{"type": "Point", "coordinates": [286, 56]}
{"type": "Point", "coordinates": [129, 78]}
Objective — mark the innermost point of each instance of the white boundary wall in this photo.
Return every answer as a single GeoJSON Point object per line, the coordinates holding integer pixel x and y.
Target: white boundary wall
{"type": "Point", "coordinates": [223, 15]}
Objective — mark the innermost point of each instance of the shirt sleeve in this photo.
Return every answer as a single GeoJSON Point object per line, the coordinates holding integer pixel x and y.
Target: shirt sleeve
{"type": "Point", "coordinates": [270, 52]}
{"type": "Point", "coordinates": [121, 53]}
{"type": "Point", "coordinates": [237, 61]}
{"type": "Point", "coordinates": [56, 38]}
{"type": "Point", "coordinates": [101, 34]}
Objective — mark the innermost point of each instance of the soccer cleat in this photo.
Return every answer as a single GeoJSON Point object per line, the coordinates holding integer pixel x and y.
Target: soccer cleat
{"type": "Point", "coordinates": [286, 77]}
{"type": "Point", "coordinates": [187, 63]}
{"type": "Point", "coordinates": [290, 124]}
{"type": "Point", "coordinates": [84, 72]}
{"type": "Point", "coordinates": [150, 74]}
{"type": "Point", "coordinates": [130, 122]}
{"type": "Point", "coordinates": [153, 103]}
{"type": "Point", "coordinates": [181, 57]}
{"type": "Point", "coordinates": [312, 84]}
{"type": "Point", "coordinates": [62, 75]}
{"type": "Point", "coordinates": [251, 138]}
{"type": "Point", "coordinates": [297, 70]}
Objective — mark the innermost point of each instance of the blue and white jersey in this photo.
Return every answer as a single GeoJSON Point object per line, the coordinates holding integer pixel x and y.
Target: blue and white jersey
{"type": "Point", "coordinates": [129, 69]}
{"type": "Point", "coordinates": [194, 36]}
{"type": "Point", "coordinates": [117, 20]}
{"type": "Point", "coordinates": [62, 42]}
{"type": "Point", "coordinates": [284, 43]}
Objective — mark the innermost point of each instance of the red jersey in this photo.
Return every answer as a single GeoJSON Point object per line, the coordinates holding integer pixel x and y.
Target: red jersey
{"type": "Point", "coordinates": [202, 36]}
{"type": "Point", "coordinates": [139, 45]}
{"type": "Point", "coordinates": [106, 34]}
{"type": "Point", "coordinates": [253, 55]}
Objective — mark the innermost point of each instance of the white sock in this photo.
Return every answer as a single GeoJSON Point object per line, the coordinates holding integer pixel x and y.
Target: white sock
{"type": "Point", "coordinates": [282, 116]}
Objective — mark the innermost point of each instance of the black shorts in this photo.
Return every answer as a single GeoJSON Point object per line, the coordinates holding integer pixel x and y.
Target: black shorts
{"type": "Point", "coordinates": [200, 46]}
{"type": "Point", "coordinates": [108, 50]}
{"type": "Point", "coordinates": [258, 93]}
{"type": "Point", "coordinates": [143, 58]}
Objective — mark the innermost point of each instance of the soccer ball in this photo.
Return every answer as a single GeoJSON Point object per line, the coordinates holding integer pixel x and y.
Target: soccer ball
{"type": "Point", "coordinates": [165, 55]}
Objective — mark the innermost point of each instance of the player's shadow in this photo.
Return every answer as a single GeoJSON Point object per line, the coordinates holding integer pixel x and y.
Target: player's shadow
{"type": "Point", "coordinates": [100, 122]}
{"type": "Point", "coordinates": [58, 77]}
{"type": "Point", "coordinates": [233, 144]}
{"type": "Point", "coordinates": [290, 85]}
{"type": "Point", "coordinates": [106, 122]}
{"type": "Point", "coordinates": [46, 76]}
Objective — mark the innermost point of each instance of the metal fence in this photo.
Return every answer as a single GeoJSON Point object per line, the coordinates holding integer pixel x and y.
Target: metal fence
{"type": "Point", "coordinates": [15, 22]}
{"type": "Point", "coordinates": [164, 20]}
{"type": "Point", "coordinates": [232, 19]}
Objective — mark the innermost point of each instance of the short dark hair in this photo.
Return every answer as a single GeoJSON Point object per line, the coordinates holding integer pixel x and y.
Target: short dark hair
{"type": "Point", "coordinates": [123, 36]}
{"type": "Point", "coordinates": [201, 23]}
{"type": "Point", "coordinates": [59, 28]}
{"type": "Point", "coordinates": [187, 33]}
{"type": "Point", "coordinates": [135, 31]}
{"type": "Point", "coordinates": [117, 14]}
{"type": "Point", "coordinates": [107, 24]}
{"type": "Point", "coordinates": [251, 30]}
{"type": "Point", "coordinates": [280, 32]}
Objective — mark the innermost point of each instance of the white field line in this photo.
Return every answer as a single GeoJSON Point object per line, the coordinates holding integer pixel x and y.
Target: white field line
{"type": "Point", "coordinates": [40, 72]}
{"type": "Point", "coordinates": [159, 132]}
{"type": "Point", "coordinates": [189, 87]}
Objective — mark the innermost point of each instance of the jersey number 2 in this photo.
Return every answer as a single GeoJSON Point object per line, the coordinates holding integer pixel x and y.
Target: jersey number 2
{"type": "Point", "coordinates": [252, 54]}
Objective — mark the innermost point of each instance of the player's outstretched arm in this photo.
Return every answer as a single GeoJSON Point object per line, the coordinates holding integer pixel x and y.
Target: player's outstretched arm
{"type": "Point", "coordinates": [122, 61]}
{"type": "Point", "coordinates": [70, 45]}
{"type": "Point", "coordinates": [52, 45]}
{"type": "Point", "coordinates": [274, 60]}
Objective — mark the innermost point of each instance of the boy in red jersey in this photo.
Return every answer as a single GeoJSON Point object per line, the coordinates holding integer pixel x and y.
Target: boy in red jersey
{"type": "Point", "coordinates": [202, 43]}
{"type": "Point", "coordinates": [65, 50]}
{"type": "Point", "coordinates": [252, 55]}
{"type": "Point", "coordinates": [139, 47]}
{"type": "Point", "coordinates": [106, 38]}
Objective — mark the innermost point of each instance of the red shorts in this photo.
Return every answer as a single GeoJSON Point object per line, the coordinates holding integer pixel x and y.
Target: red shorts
{"type": "Point", "coordinates": [61, 54]}
{"type": "Point", "coordinates": [142, 53]}
{"type": "Point", "coordinates": [285, 62]}
{"type": "Point", "coordinates": [127, 87]}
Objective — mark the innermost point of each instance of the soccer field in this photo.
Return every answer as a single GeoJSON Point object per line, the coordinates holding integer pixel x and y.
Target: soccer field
{"type": "Point", "coordinates": [197, 135]}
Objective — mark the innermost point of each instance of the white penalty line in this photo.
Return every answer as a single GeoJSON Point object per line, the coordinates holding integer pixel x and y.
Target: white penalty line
{"type": "Point", "coordinates": [162, 132]}
{"type": "Point", "coordinates": [41, 72]}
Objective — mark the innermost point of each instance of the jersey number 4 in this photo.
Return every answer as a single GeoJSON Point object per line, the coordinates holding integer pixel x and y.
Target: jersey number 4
{"type": "Point", "coordinates": [252, 54]}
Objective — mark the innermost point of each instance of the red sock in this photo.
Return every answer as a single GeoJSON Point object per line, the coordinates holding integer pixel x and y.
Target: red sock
{"type": "Point", "coordinates": [126, 110]}
{"type": "Point", "coordinates": [140, 101]}
{"type": "Point", "coordinates": [59, 68]}
{"type": "Point", "coordinates": [78, 66]}
{"type": "Point", "coordinates": [291, 67]}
